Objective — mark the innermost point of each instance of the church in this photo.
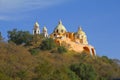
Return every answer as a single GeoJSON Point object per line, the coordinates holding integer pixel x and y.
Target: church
{"type": "Point", "coordinates": [76, 41]}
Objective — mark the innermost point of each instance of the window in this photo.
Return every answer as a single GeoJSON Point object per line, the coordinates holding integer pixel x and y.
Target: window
{"type": "Point", "coordinates": [35, 31]}
{"type": "Point", "coordinates": [54, 34]}
{"type": "Point", "coordinates": [57, 31]}
{"type": "Point", "coordinates": [62, 30]}
{"type": "Point", "coordinates": [82, 37]}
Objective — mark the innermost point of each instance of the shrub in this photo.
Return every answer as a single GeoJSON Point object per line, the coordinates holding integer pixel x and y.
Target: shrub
{"type": "Point", "coordinates": [19, 37]}
{"type": "Point", "coordinates": [84, 71]}
{"type": "Point", "coordinates": [47, 44]}
{"type": "Point", "coordinates": [106, 59]}
{"type": "Point", "coordinates": [4, 77]}
{"type": "Point", "coordinates": [36, 40]}
{"type": "Point", "coordinates": [47, 71]}
{"type": "Point", "coordinates": [102, 78]}
{"type": "Point", "coordinates": [22, 74]}
{"type": "Point", "coordinates": [34, 51]}
{"type": "Point", "coordinates": [1, 38]}
{"type": "Point", "coordinates": [61, 49]}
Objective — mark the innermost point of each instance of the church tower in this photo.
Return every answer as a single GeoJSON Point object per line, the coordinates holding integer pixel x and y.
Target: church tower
{"type": "Point", "coordinates": [45, 33]}
{"type": "Point", "coordinates": [81, 35]}
{"type": "Point", "coordinates": [36, 29]}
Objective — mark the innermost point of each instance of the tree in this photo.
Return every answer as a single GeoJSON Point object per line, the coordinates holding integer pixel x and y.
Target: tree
{"type": "Point", "coordinates": [37, 40]}
{"type": "Point", "coordinates": [4, 77]}
{"type": "Point", "coordinates": [47, 44]}
{"type": "Point", "coordinates": [19, 37]}
{"type": "Point", "coordinates": [61, 49]}
{"type": "Point", "coordinates": [1, 38]}
{"type": "Point", "coordinates": [48, 71]}
{"type": "Point", "coordinates": [84, 71]}
{"type": "Point", "coordinates": [34, 51]}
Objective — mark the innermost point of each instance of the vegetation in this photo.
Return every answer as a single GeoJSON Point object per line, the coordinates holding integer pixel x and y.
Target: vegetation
{"type": "Point", "coordinates": [84, 71]}
{"type": "Point", "coordinates": [1, 38]}
{"type": "Point", "coordinates": [61, 49]}
{"type": "Point", "coordinates": [47, 44]}
{"type": "Point", "coordinates": [36, 41]}
{"type": "Point", "coordinates": [17, 63]}
{"type": "Point", "coordinates": [34, 61]}
{"type": "Point", "coordinates": [34, 51]}
{"type": "Point", "coordinates": [19, 37]}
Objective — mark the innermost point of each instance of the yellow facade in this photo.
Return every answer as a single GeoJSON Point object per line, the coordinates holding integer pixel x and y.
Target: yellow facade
{"type": "Point", "coordinates": [73, 41]}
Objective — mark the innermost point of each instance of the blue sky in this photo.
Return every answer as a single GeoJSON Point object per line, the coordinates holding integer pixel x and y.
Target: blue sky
{"type": "Point", "coordinates": [100, 19]}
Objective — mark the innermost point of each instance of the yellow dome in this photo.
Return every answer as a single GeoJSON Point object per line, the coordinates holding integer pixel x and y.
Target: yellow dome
{"type": "Point", "coordinates": [80, 31]}
{"type": "Point", "coordinates": [60, 28]}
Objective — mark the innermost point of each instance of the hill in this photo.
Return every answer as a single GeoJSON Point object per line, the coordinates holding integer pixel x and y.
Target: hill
{"type": "Point", "coordinates": [17, 63]}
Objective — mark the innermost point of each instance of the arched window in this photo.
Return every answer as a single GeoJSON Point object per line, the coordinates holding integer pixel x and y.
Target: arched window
{"type": "Point", "coordinates": [62, 30]}
{"type": "Point", "coordinates": [57, 31]}
{"type": "Point", "coordinates": [93, 51]}
{"type": "Point", "coordinates": [54, 34]}
{"type": "Point", "coordinates": [35, 31]}
{"type": "Point", "coordinates": [81, 41]}
{"type": "Point", "coordinates": [82, 36]}
{"type": "Point", "coordinates": [86, 48]}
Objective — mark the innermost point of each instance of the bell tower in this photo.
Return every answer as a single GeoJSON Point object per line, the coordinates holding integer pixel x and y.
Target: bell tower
{"type": "Point", "coordinates": [81, 35]}
{"type": "Point", "coordinates": [45, 33]}
{"type": "Point", "coordinates": [36, 29]}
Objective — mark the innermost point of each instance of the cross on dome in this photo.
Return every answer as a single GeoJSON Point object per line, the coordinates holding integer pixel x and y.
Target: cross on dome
{"type": "Point", "coordinates": [44, 28]}
{"type": "Point", "coordinates": [80, 28]}
{"type": "Point", "coordinates": [36, 24]}
{"type": "Point", "coordinates": [60, 22]}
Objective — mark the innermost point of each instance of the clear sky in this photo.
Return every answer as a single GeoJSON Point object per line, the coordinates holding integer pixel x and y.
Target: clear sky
{"type": "Point", "coordinates": [100, 19]}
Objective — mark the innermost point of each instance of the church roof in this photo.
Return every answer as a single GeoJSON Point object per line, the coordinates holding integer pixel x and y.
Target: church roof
{"type": "Point", "coordinates": [60, 26]}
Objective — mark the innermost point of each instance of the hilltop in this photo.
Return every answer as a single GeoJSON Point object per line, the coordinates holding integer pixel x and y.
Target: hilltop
{"type": "Point", "coordinates": [28, 57]}
{"type": "Point", "coordinates": [17, 63]}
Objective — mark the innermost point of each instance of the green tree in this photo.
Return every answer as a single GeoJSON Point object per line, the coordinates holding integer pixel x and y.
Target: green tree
{"type": "Point", "coordinates": [61, 49]}
{"type": "Point", "coordinates": [1, 38]}
{"type": "Point", "coordinates": [47, 44]}
{"type": "Point", "coordinates": [106, 59]}
{"type": "Point", "coordinates": [34, 51]}
{"type": "Point", "coordinates": [84, 71]}
{"type": "Point", "coordinates": [36, 40]}
{"type": "Point", "coordinates": [22, 74]}
{"type": "Point", "coordinates": [4, 77]}
{"type": "Point", "coordinates": [48, 71]}
{"type": "Point", "coordinates": [19, 37]}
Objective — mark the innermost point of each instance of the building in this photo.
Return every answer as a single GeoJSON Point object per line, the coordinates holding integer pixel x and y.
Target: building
{"type": "Point", "coordinates": [76, 41]}
{"type": "Point", "coordinates": [45, 33]}
{"type": "Point", "coordinates": [36, 30]}
{"type": "Point", "coordinates": [73, 41]}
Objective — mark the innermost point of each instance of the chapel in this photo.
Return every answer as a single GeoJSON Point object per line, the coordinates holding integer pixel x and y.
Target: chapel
{"type": "Point", "coordinates": [76, 41]}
